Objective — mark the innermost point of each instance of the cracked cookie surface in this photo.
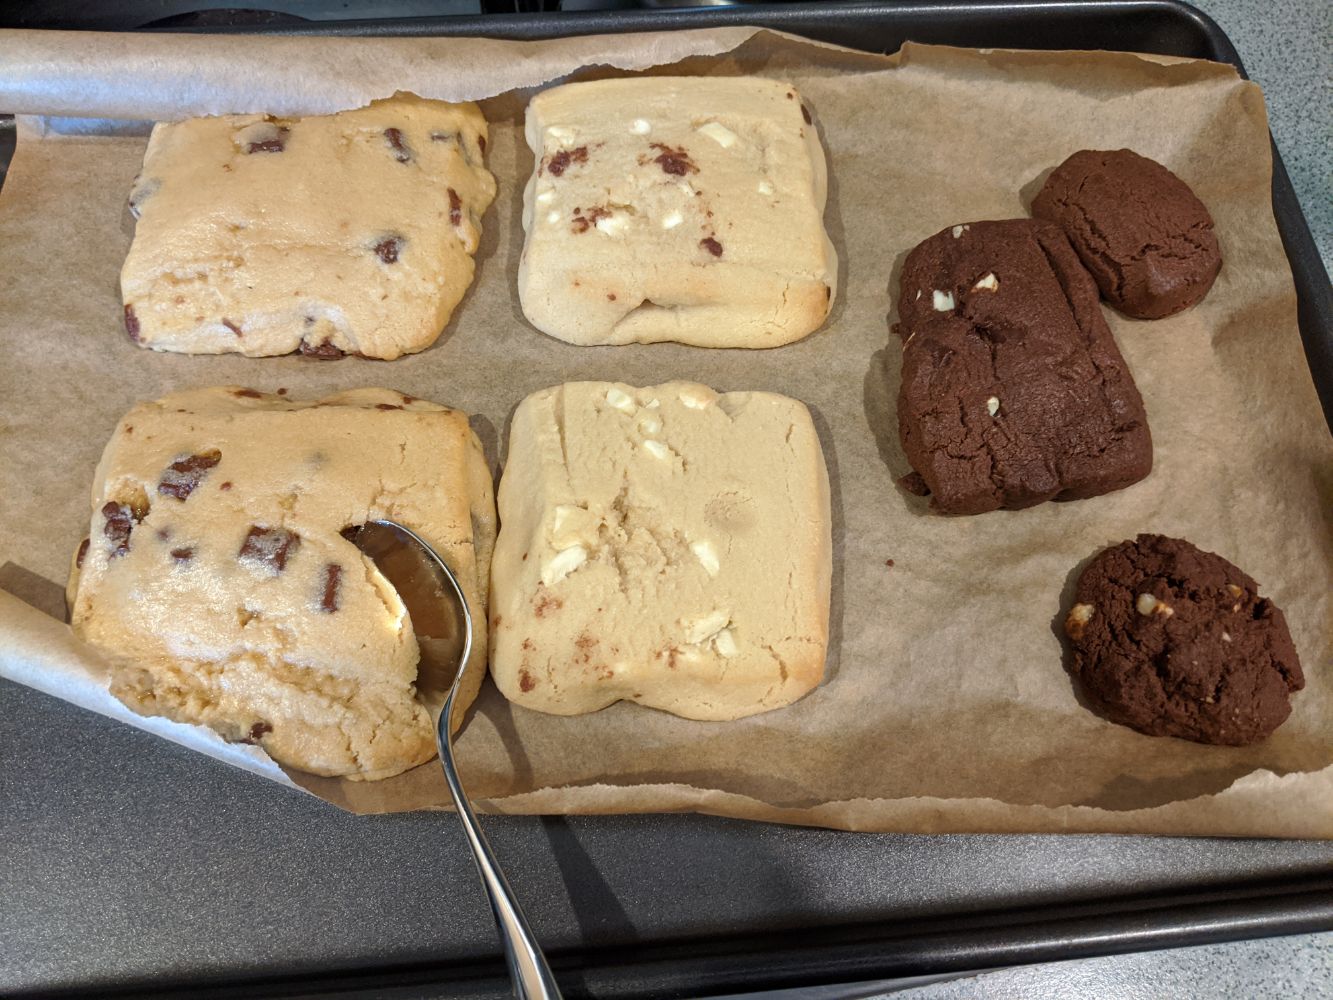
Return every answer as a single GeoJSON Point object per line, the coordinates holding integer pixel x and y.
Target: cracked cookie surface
{"type": "Point", "coordinates": [1174, 641]}
{"type": "Point", "coordinates": [218, 583]}
{"type": "Point", "coordinates": [1013, 390]}
{"type": "Point", "coordinates": [667, 545]}
{"type": "Point", "coordinates": [686, 209]}
{"type": "Point", "coordinates": [1138, 228]}
{"type": "Point", "coordinates": [341, 234]}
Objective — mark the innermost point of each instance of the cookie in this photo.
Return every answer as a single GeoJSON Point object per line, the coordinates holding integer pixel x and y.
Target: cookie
{"type": "Point", "coordinates": [1174, 641]}
{"type": "Point", "coordinates": [668, 546]}
{"type": "Point", "coordinates": [350, 233]}
{"type": "Point", "coordinates": [218, 582]}
{"type": "Point", "coordinates": [1140, 230]}
{"type": "Point", "coordinates": [1013, 391]}
{"type": "Point", "coordinates": [675, 208]}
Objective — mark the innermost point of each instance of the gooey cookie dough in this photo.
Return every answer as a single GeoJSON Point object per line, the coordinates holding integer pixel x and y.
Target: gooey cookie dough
{"type": "Point", "coordinates": [350, 233]}
{"type": "Point", "coordinates": [1138, 228]}
{"type": "Point", "coordinates": [687, 209]}
{"type": "Point", "coordinates": [668, 545]}
{"type": "Point", "coordinates": [218, 583]}
{"type": "Point", "coordinates": [1013, 390]}
{"type": "Point", "coordinates": [1174, 641]}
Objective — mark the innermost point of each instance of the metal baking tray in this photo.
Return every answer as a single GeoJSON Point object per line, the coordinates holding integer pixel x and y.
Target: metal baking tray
{"type": "Point", "coordinates": [129, 867]}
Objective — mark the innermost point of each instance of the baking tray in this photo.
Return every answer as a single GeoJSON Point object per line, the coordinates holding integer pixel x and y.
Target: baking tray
{"type": "Point", "coordinates": [129, 867]}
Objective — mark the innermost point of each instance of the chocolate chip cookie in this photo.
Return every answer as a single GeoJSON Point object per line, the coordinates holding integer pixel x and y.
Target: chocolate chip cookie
{"type": "Point", "coordinates": [1013, 391]}
{"type": "Point", "coordinates": [1140, 230]}
{"type": "Point", "coordinates": [1174, 641]}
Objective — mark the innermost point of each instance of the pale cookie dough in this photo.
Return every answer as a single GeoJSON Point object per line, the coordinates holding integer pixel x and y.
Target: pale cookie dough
{"type": "Point", "coordinates": [669, 546]}
{"type": "Point", "coordinates": [343, 234]}
{"type": "Point", "coordinates": [676, 208]}
{"type": "Point", "coordinates": [218, 584]}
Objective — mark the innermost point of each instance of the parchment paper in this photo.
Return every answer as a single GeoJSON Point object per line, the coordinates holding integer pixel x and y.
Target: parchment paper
{"type": "Point", "coordinates": [946, 704]}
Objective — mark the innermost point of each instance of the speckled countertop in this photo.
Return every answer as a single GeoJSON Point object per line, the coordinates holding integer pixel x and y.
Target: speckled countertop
{"type": "Point", "coordinates": [1287, 48]}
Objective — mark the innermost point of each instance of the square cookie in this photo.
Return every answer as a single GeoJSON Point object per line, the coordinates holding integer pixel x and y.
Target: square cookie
{"type": "Point", "coordinates": [668, 545]}
{"type": "Point", "coordinates": [676, 208]}
{"type": "Point", "coordinates": [1014, 391]}
{"type": "Point", "coordinates": [218, 583]}
{"type": "Point", "coordinates": [350, 233]}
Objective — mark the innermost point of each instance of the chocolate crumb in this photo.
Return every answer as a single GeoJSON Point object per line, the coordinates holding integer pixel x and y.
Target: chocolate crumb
{"type": "Point", "coordinates": [324, 351]}
{"type": "Point", "coordinates": [233, 327]}
{"type": "Point", "coordinates": [225, 486]}
{"type": "Point", "coordinates": [915, 484]}
{"type": "Point", "coordinates": [675, 161]}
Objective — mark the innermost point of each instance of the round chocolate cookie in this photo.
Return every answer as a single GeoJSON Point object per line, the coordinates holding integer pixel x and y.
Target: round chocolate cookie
{"type": "Point", "coordinates": [1174, 641]}
{"type": "Point", "coordinates": [1140, 230]}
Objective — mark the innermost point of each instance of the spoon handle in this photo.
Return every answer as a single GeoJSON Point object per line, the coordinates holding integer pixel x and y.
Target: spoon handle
{"type": "Point", "coordinates": [527, 965]}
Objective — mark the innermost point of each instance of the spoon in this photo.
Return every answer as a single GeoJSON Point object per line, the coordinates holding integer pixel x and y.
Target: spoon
{"type": "Point", "coordinates": [443, 626]}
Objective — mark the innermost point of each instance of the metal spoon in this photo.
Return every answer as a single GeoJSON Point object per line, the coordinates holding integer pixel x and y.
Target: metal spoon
{"type": "Point", "coordinates": [443, 627]}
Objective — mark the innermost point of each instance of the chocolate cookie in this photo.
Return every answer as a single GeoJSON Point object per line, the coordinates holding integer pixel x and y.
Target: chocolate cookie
{"type": "Point", "coordinates": [1174, 641]}
{"type": "Point", "coordinates": [1013, 389]}
{"type": "Point", "coordinates": [1138, 228]}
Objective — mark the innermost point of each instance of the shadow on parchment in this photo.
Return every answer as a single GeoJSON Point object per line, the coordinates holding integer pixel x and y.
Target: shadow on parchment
{"type": "Point", "coordinates": [45, 595]}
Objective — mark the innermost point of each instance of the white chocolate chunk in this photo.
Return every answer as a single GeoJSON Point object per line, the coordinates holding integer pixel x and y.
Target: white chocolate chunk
{"type": "Point", "coordinates": [943, 301]}
{"type": "Point", "coordinates": [1081, 614]}
{"type": "Point", "coordinates": [545, 197]}
{"type": "Point", "coordinates": [672, 219]}
{"type": "Point", "coordinates": [694, 400]}
{"type": "Point", "coordinates": [572, 526]}
{"type": "Point", "coordinates": [613, 224]}
{"type": "Point", "coordinates": [704, 628]}
{"type": "Point", "coordinates": [563, 563]}
{"type": "Point", "coordinates": [552, 217]}
{"type": "Point", "coordinates": [1226, 636]}
{"type": "Point", "coordinates": [650, 424]}
{"type": "Point", "coordinates": [989, 283]}
{"type": "Point", "coordinates": [620, 400]}
{"type": "Point", "coordinates": [640, 126]}
{"type": "Point", "coordinates": [958, 231]}
{"type": "Point", "coordinates": [725, 643]}
{"type": "Point", "coordinates": [993, 405]}
{"type": "Point", "coordinates": [658, 450]}
{"type": "Point", "coordinates": [562, 136]}
{"type": "Point", "coordinates": [765, 187]}
{"type": "Point", "coordinates": [706, 553]}
{"type": "Point", "coordinates": [1145, 604]}
{"type": "Point", "coordinates": [719, 133]}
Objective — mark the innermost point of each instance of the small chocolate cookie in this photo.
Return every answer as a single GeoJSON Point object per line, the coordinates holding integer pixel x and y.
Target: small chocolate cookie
{"type": "Point", "coordinates": [1013, 389]}
{"type": "Point", "coordinates": [1174, 641]}
{"type": "Point", "coordinates": [1138, 228]}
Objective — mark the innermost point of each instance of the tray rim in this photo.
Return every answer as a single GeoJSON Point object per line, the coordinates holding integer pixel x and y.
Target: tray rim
{"type": "Point", "coordinates": [879, 949]}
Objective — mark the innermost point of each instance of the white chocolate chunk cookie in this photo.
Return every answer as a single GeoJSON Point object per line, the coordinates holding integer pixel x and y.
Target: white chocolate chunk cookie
{"type": "Point", "coordinates": [350, 233]}
{"type": "Point", "coordinates": [675, 208]}
{"type": "Point", "coordinates": [218, 583]}
{"type": "Point", "coordinates": [669, 546]}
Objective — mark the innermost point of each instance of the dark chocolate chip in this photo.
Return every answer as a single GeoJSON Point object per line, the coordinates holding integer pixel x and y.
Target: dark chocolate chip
{"type": "Point", "coordinates": [257, 731]}
{"type": "Point", "coordinates": [676, 161]}
{"type": "Point", "coordinates": [273, 144]}
{"type": "Point", "coordinates": [562, 160]}
{"type": "Point", "coordinates": [324, 351]}
{"type": "Point", "coordinates": [915, 484]}
{"type": "Point", "coordinates": [233, 327]}
{"type": "Point", "coordinates": [711, 245]}
{"type": "Point", "coordinates": [332, 579]}
{"type": "Point", "coordinates": [83, 551]}
{"type": "Point", "coordinates": [225, 486]}
{"type": "Point", "coordinates": [481, 143]}
{"type": "Point", "coordinates": [394, 138]}
{"type": "Point", "coordinates": [183, 475]}
{"type": "Point", "coordinates": [805, 113]}
{"type": "Point", "coordinates": [132, 323]}
{"type": "Point", "coordinates": [387, 406]}
{"type": "Point", "coordinates": [120, 521]}
{"type": "Point", "coordinates": [387, 249]}
{"type": "Point", "coordinates": [247, 393]}
{"type": "Point", "coordinates": [182, 555]}
{"type": "Point", "coordinates": [455, 208]}
{"type": "Point", "coordinates": [270, 546]}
